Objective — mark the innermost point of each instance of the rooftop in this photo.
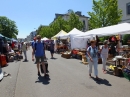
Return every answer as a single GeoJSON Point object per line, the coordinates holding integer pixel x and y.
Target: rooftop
{"type": "Point", "coordinates": [79, 13]}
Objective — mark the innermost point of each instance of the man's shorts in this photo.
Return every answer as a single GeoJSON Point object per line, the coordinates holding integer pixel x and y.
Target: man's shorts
{"type": "Point", "coordinates": [52, 51]}
{"type": "Point", "coordinates": [39, 59]}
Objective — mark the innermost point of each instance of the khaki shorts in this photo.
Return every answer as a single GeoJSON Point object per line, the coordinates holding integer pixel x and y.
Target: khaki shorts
{"type": "Point", "coordinates": [39, 59]}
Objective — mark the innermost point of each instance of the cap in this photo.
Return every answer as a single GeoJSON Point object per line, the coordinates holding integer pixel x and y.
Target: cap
{"type": "Point", "coordinates": [105, 42]}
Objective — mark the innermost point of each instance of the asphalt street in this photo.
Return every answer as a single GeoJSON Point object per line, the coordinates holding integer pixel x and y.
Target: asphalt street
{"type": "Point", "coordinates": [67, 78]}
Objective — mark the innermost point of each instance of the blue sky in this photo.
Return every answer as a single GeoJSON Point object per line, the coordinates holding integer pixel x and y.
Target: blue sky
{"type": "Point", "coordinates": [29, 14]}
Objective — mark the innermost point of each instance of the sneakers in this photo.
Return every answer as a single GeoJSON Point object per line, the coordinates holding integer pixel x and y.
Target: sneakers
{"type": "Point", "coordinates": [44, 75]}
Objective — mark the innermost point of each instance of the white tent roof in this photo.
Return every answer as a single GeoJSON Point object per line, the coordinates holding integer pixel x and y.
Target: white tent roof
{"type": "Point", "coordinates": [44, 38]}
{"type": "Point", "coordinates": [123, 28]}
{"type": "Point", "coordinates": [72, 32]}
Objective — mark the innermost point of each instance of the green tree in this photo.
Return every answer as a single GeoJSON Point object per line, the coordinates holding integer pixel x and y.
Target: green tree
{"type": "Point", "coordinates": [0, 28]}
{"type": "Point", "coordinates": [105, 13]}
{"type": "Point", "coordinates": [126, 38]}
{"type": "Point", "coordinates": [60, 24]}
{"type": "Point", "coordinates": [9, 28]}
{"type": "Point", "coordinates": [39, 29]}
{"type": "Point", "coordinates": [74, 22]}
{"type": "Point", "coordinates": [46, 31]}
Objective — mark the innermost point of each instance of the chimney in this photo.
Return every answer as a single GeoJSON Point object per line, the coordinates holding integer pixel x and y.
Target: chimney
{"type": "Point", "coordinates": [78, 13]}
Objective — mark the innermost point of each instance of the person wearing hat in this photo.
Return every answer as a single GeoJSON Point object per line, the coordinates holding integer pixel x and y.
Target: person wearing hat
{"type": "Point", "coordinates": [104, 54]}
{"type": "Point", "coordinates": [92, 56]}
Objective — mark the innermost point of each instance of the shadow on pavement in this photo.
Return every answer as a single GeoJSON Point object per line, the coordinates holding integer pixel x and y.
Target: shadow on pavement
{"type": "Point", "coordinates": [53, 58]}
{"type": "Point", "coordinates": [43, 80]}
{"type": "Point", "coordinates": [26, 61]}
{"type": "Point", "coordinates": [102, 81]}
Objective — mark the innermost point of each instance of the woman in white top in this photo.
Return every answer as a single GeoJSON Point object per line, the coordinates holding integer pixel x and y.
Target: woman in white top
{"type": "Point", "coordinates": [104, 54]}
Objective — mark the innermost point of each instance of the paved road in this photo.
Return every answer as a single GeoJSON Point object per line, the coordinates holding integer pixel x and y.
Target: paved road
{"type": "Point", "coordinates": [68, 78]}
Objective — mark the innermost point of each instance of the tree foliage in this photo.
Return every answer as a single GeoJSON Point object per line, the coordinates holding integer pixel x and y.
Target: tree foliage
{"type": "Point", "coordinates": [74, 21]}
{"type": "Point", "coordinates": [8, 27]}
{"type": "Point", "coordinates": [126, 38]}
{"type": "Point", "coordinates": [60, 24]}
{"type": "Point", "coordinates": [105, 13]}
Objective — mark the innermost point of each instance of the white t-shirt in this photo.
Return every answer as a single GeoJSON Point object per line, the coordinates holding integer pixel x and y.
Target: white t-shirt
{"type": "Point", "coordinates": [24, 47]}
{"type": "Point", "coordinates": [104, 51]}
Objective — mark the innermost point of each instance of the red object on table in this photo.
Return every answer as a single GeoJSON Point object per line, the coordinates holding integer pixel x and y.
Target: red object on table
{"type": "Point", "coordinates": [75, 51]}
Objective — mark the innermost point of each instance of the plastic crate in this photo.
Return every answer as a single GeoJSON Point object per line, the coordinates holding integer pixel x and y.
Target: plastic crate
{"type": "Point", "coordinates": [126, 76]}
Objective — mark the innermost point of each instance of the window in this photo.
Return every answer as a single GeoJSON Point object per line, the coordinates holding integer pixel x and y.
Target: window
{"type": "Point", "coordinates": [128, 8]}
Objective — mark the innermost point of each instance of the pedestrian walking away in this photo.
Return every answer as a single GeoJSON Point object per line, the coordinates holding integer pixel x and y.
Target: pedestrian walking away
{"type": "Point", "coordinates": [39, 52]}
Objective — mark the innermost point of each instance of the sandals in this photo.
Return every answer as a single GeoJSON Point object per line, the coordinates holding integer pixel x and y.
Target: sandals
{"type": "Point", "coordinates": [104, 71]}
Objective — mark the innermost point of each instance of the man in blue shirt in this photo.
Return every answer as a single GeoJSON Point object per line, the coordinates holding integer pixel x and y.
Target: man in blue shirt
{"type": "Point", "coordinates": [39, 52]}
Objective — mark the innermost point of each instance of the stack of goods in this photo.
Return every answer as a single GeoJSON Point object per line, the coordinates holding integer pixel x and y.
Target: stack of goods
{"type": "Point", "coordinates": [16, 56]}
{"type": "Point", "coordinates": [83, 50]}
{"type": "Point", "coordinates": [127, 55]}
{"type": "Point", "coordinates": [74, 53]}
{"type": "Point", "coordinates": [66, 55]}
{"type": "Point", "coordinates": [84, 59]}
{"type": "Point", "coordinates": [117, 71]}
{"type": "Point", "coordinates": [79, 55]}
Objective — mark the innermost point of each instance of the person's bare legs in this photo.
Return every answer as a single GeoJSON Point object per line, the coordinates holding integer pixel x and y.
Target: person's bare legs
{"type": "Point", "coordinates": [38, 68]}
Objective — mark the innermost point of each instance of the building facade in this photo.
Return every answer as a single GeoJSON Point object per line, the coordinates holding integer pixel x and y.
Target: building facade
{"type": "Point", "coordinates": [21, 39]}
{"type": "Point", "coordinates": [124, 5]}
{"type": "Point", "coordinates": [33, 34]}
{"type": "Point", "coordinates": [82, 18]}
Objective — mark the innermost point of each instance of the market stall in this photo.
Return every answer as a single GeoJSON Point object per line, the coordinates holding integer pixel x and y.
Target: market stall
{"type": "Point", "coordinates": [57, 41]}
{"type": "Point", "coordinates": [44, 39]}
{"type": "Point", "coordinates": [61, 33]}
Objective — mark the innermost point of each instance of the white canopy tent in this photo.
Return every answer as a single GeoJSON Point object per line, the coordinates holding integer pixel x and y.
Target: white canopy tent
{"type": "Point", "coordinates": [61, 33]}
{"type": "Point", "coordinates": [44, 39]}
{"type": "Point", "coordinates": [123, 28]}
{"type": "Point", "coordinates": [71, 33]}
{"type": "Point", "coordinates": [14, 40]}
{"type": "Point", "coordinates": [79, 42]}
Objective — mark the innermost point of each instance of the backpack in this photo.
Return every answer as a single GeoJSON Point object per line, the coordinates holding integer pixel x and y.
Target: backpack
{"type": "Point", "coordinates": [94, 48]}
{"type": "Point", "coordinates": [36, 45]}
{"type": "Point", "coordinates": [91, 47]}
